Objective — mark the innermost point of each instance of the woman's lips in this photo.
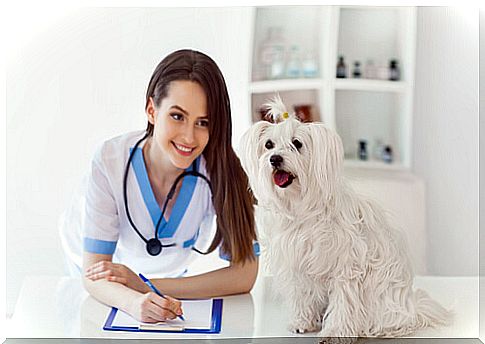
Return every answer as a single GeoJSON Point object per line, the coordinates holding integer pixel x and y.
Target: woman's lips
{"type": "Point", "coordinates": [183, 150]}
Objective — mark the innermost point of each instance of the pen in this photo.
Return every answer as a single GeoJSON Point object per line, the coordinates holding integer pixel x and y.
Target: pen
{"type": "Point", "coordinates": [155, 290]}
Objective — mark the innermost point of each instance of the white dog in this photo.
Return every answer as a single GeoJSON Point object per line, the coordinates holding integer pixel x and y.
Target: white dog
{"type": "Point", "coordinates": [343, 269]}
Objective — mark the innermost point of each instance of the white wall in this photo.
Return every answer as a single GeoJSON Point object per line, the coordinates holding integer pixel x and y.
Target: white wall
{"type": "Point", "coordinates": [81, 81]}
{"type": "Point", "coordinates": [445, 134]}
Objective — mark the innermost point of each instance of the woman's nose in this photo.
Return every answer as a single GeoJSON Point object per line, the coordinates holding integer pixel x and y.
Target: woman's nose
{"type": "Point", "coordinates": [188, 134]}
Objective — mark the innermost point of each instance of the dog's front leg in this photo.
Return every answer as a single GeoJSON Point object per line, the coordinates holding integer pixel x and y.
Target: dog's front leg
{"type": "Point", "coordinates": [346, 314]}
{"type": "Point", "coordinates": [306, 311]}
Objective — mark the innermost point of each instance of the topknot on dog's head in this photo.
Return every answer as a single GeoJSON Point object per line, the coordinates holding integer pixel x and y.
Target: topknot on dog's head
{"type": "Point", "coordinates": [276, 110]}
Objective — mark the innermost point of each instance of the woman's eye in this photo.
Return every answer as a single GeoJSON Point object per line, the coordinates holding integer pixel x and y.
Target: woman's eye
{"type": "Point", "coordinates": [297, 144]}
{"type": "Point", "coordinates": [269, 144]}
{"type": "Point", "coordinates": [203, 123]}
{"type": "Point", "coordinates": [177, 116]}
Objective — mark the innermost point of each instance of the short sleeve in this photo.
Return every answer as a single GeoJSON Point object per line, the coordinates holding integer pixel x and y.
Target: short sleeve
{"type": "Point", "coordinates": [101, 227]}
{"type": "Point", "coordinates": [227, 257]}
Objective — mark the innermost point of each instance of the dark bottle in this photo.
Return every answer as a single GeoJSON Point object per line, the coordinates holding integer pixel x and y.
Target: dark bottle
{"type": "Point", "coordinates": [394, 73]}
{"type": "Point", "coordinates": [363, 150]}
{"type": "Point", "coordinates": [387, 154]}
{"type": "Point", "coordinates": [341, 68]}
{"type": "Point", "coordinates": [356, 73]}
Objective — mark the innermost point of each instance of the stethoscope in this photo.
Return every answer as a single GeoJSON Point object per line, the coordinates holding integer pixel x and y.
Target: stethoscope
{"type": "Point", "coordinates": [154, 245]}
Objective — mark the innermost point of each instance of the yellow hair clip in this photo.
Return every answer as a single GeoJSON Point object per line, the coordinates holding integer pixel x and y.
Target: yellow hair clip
{"type": "Point", "coordinates": [285, 115]}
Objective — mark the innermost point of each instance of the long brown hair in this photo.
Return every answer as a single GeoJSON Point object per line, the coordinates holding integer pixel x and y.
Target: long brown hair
{"type": "Point", "coordinates": [232, 199]}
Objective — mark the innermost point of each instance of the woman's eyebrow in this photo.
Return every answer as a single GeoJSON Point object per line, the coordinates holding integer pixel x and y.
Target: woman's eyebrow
{"type": "Point", "coordinates": [185, 112]}
{"type": "Point", "coordinates": [179, 108]}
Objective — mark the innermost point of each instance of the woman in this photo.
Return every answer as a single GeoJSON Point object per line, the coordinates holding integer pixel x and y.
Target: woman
{"type": "Point", "coordinates": [127, 214]}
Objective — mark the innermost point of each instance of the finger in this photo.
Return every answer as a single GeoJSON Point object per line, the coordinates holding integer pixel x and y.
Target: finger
{"type": "Point", "coordinates": [168, 302]}
{"type": "Point", "coordinates": [149, 317]}
{"type": "Point", "coordinates": [160, 313]}
{"type": "Point", "coordinates": [100, 266]}
{"type": "Point", "coordinates": [97, 276]}
{"type": "Point", "coordinates": [176, 304]}
{"type": "Point", "coordinates": [96, 265]}
{"type": "Point", "coordinates": [117, 279]}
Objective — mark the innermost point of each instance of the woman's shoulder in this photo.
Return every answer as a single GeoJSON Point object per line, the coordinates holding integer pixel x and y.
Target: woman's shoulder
{"type": "Point", "coordinates": [117, 148]}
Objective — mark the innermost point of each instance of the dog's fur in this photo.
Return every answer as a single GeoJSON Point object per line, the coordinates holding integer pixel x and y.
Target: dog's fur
{"type": "Point", "coordinates": [340, 265]}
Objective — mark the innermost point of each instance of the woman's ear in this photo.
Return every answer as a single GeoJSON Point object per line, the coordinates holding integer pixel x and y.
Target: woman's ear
{"type": "Point", "coordinates": [150, 111]}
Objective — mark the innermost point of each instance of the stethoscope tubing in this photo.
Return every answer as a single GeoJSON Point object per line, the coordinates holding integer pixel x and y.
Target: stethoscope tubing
{"type": "Point", "coordinates": [154, 246]}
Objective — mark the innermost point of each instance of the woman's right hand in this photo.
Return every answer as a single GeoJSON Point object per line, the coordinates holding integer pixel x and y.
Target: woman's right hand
{"type": "Point", "coordinates": [151, 308]}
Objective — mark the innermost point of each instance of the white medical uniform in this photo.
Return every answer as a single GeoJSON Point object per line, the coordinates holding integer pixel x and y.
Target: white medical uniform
{"type": "Point", "coordinates": [97, 222]}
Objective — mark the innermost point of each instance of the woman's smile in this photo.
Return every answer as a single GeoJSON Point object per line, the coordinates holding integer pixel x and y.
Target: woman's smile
{"type": "Point", "coordinates": [183, 150]}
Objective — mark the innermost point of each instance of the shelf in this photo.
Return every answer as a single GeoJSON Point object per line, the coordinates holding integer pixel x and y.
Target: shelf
{"type": "Point", "coordinates": [373, 164]}
{"type": "Point", "coordinates": [268, 86]}
{"type": "Point", "coordinates": [371, 85]}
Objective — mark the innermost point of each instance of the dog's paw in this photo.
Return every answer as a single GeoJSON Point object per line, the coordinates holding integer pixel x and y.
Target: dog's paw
{"type": "Point", "coordinates": [332, 336]}
{"type": "Point", "coordinates": [338, 340]}
{"type": "Point", "coordinates": [302, 326]}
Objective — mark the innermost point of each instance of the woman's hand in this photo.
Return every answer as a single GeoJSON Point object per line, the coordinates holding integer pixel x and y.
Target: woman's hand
{"type": "Point", "coordinates": [116, 273]}
{"type": "Point", "coordinates": [150, 308]}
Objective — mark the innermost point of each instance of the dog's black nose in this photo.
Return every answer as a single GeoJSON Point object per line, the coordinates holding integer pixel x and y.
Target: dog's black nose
{"type": "Point", "coordinates": [276, 160]}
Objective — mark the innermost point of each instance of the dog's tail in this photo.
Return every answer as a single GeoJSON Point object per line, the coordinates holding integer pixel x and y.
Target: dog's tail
{"type": "Point", "coordinates": [429, 313]}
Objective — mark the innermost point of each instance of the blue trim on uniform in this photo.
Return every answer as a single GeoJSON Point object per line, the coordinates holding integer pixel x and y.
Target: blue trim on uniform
{"type": "Point", "coordinates": [99, 246]}
{"type": "Point", "coordinates": [180, 207]}
{"type": "Point", "coordinates": [141, 174]}
{"type": "Point", "coordinates": [166, 229]}
{"type": "Point", "coordinates": [227, 257]}
{"type": "Point", "coordinates": [191, 242]}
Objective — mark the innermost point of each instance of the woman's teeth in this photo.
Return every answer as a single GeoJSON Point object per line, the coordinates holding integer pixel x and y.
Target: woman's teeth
{"type": "Point", "coordinates": [183, 149]}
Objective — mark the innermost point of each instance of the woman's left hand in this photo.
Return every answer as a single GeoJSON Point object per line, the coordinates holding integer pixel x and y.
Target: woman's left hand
{"type": "Point", "coordinates": [116, 273]}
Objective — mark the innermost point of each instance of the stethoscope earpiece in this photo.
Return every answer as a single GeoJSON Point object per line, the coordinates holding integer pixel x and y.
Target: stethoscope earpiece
{"type": "Point", "coordinates": [154, 245]}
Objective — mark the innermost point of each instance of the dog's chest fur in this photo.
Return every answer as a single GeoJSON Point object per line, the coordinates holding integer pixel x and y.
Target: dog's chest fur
{"type": "Point", "coordinates": [297, 248]}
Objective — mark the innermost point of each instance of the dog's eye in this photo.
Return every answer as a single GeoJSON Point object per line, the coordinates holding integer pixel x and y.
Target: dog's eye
{"type": "Point", "coordinates": [297, 143]}
{"type": "Point", "coordinates": [269, 144]}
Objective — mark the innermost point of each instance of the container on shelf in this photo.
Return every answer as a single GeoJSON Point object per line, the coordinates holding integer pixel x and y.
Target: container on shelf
{"type": "Point", "coordinates": [394, 72]}
{"type": "Point", "coordinates": [293, 64]}
{"type": "Point", "coordinates": [356, 73]}
{"type": "Point", "coordinates": [363, 150]}
{"type": "Point", "coordinates": [272, 54]}
{"type": "Point", "coordinates": [309, 65]}
{"type": "Point", "coordinates": [304, 112]}
{"type": "Point", "coordinates": [341, 68]}
{"type": "Point", "coordinates": [370, 70]}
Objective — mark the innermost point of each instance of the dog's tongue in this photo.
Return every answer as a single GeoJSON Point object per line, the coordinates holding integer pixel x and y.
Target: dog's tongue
{"type": "Point", "coordinates": [281, 177]}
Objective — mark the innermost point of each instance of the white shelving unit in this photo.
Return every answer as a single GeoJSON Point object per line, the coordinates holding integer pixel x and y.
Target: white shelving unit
{"type": "Point", "coordinates": [357, 108]}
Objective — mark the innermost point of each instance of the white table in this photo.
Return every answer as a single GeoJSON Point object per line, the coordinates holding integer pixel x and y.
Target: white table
{"type": "Point", "coordinates": [55, 307]}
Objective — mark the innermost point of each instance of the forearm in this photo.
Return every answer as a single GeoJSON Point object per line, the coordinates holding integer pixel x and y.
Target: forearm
{"type": "Point", "coordinates": [111, 293]}
{"type": "Point", "coordinates": [235, 279]}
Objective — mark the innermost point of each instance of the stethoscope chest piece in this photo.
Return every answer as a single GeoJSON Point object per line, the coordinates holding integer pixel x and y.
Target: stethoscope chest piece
{"type": "Point", "coordinates": [154, 247]}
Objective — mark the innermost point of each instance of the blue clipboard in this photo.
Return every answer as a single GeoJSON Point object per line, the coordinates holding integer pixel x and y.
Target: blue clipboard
{"type": "Point", "coordinates": [215, 322]}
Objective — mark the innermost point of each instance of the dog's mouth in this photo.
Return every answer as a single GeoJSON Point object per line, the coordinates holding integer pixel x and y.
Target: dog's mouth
{"type": "Point", "coordinates": [282, 178]}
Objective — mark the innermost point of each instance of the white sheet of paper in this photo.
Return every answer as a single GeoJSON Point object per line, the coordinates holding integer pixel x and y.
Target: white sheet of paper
{"type": "Point", "coordinates": [197, 314]}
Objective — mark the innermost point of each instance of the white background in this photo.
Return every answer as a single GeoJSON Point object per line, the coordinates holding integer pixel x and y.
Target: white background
{"type": "Point", "coordinates": [82, 79]}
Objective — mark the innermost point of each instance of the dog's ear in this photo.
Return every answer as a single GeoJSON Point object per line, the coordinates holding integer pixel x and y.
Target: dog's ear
{"type": "Point", "coordinates": [250, 148]}
{"type": "Point", "coordinates": [328, 155]}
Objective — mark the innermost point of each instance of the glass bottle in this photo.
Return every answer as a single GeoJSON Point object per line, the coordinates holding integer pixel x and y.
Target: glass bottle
{"type": "Point", "coordinates": [341, 68]}
{"type": "Point", "coordinates": [363, 150]}
{"type": "Point", "coordinates": [370, 70]}
{"type": "Point", "coordinates": [309, 65]}
{"type": "Point", "coordinates": [387, 154]}
{"type": "Point", "coordinates": [293, 66]}
{"type": "Point", "coordinates": [394, 72]}
{"type": "Point", "coordinates": [278, 64]}
{"type": "Point", "coordinates": [272, 51]}
{"type": "Point", "coordinates": [356, 73]}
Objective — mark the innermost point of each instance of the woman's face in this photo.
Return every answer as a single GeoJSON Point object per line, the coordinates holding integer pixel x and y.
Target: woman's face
{"type": "Point", "coordinates": [181, 123]}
